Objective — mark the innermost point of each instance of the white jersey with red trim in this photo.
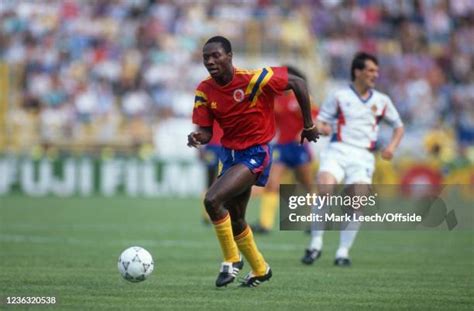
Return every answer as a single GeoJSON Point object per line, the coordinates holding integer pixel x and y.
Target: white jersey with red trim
{"type": "Point", "coordinates": [354, 120]}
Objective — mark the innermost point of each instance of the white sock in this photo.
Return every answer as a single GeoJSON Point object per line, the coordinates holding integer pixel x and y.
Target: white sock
{"type": "Point", "coordinates": [342, 252]}
{"type": "Point", "coordinates": [316, 240]}
{"type": "Point", "coordinates": [317, 230]}
{"type": "Point", "coordinates": [347, 239]}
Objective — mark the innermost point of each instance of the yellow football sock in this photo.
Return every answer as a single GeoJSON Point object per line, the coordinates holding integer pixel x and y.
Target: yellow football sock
{"type": "Point", "coordinates": [268, 209]}
{"type": "Point", "coordinates": [249, 249]}
{"type": "Point", "coordinates": [224, 234]}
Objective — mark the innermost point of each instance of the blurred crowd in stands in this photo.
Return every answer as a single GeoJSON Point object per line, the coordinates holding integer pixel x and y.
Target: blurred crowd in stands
{"type": "Point", "coordinates": [113, 70]}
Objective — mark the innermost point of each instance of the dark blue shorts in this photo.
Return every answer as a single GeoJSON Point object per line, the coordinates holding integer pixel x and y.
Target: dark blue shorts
{"type": "Point", "coordinates": [257, 158]}
{"type": "Point", "coordinates": [212, 155]}
{"type": "Point", "coordinates": [292, 154]}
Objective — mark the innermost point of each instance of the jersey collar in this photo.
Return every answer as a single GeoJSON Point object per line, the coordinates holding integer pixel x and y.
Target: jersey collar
{"type": "Point", "coordinates": [364, 101]}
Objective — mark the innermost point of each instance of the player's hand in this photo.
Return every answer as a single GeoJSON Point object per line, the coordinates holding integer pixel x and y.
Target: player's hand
{"type": "Point", "coordinates": [310, 135]}
{"type": "Point", "coordinates": [387, 153]}
{"type": "Point", "coordinates": [194, 139]}
{"type": "Point", "coordinates": [198, 138]}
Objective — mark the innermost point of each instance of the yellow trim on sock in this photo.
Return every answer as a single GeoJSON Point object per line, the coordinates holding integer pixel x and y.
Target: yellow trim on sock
{"type": "Point", "coordinates": [242, 234]}
{"type": "Point", "coordinates": [220, 221]}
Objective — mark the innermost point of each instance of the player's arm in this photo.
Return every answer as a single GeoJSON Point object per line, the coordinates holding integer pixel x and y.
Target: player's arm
{"type": "Point", "coordinates": [200, 137]}
{"type": "Point", "coordinates": [300, 89]}
{"type": "Point", "coordinates": [203, 118]}
{"type": "Point", "coordinates": [397, 136]}
{"type": "Point", "coordinates": [327, 115]}
{"type": "Point", "coordinates": [323, 127]}
{"type": "Point", "coordinates": [393, 119]}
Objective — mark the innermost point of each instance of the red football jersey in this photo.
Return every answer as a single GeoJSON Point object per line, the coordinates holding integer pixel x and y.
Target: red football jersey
{"type": "Point", "coordinates": [243, 108]}
{"type": "Point", "coordinates": [289, 119]}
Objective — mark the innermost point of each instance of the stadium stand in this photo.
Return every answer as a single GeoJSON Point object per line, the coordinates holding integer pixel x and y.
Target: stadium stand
{"type": "Point", "coordinates": [81, 77]}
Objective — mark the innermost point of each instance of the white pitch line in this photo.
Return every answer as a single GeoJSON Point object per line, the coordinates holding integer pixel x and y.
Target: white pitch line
{"type": "Point", "coordinates": [161, 228]}
{"type": "Point", "coordinates": [35, 239]}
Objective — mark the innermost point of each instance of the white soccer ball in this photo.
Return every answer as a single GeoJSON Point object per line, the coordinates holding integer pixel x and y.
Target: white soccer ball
{"type": "Point", "coordinates": [135, 264]}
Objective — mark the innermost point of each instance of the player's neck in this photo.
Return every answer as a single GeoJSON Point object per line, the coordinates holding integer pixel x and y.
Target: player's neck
{"type": "Point", "coordinates": [226, 77]}
{"type": "Point", "coordinates": [362, 90]}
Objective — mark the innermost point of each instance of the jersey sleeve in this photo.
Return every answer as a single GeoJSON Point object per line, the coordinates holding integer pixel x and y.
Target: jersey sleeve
{"type": "Point", "coordinates": [278, 81]}
{"type": "Point", "coordinates": [266, 80]}
{"type": "Point", "coordinates": [328, 111]}
{"type": "Point", "coordinates": [314, 109]}
{"type": "Point", "coordinates": [391, 115]}
{"type": "Point", "coordinates": [202, 115]}
{"type": "Point", "coordinates": [314, 112]}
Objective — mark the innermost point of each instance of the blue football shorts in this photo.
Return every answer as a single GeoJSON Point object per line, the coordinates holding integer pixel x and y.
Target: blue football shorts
{"type": "Point", "coordinates": [257, 158]}
{"type": "Point", "coordinates": [292, 154]}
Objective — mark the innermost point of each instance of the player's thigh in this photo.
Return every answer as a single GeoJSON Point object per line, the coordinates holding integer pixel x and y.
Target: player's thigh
{"type": "Point", "coordinates": [235, 181]}
{"type": "Point", "coordinates": [326, 182]}
{"type": "Point", "coordinates": [212, 171]}
{"type": "Point", "coordinates": [276, 172]}
{"type": "Point", "coordinates": [331, 169]}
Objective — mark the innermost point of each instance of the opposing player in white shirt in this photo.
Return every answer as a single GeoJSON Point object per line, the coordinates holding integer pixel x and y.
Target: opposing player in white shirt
{"type": "Point", "coordinates": [351, 116]}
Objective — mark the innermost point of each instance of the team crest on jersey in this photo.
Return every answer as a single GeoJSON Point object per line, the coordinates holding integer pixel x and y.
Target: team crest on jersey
{"type": "Point", "coordinates": [374, 109]}
{"type": "Point", "coordinates": [239, 95]}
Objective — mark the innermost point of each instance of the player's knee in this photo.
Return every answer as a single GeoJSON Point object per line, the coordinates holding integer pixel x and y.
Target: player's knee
{"type": "Point", "coordinates": [325, 189]}
{"type": "Point", "coordinates": [325, 178]}
{"type": "Point", "coordinates": [211, 203]}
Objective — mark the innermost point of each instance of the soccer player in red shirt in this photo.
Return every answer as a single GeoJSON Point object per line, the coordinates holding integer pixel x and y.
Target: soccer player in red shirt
{"type": "Point", "coordinates": [241, 101]}
{"type": "Point", "coordinates": [288, 154]}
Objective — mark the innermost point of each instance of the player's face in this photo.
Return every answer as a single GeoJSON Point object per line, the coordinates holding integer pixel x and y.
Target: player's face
{"type": "Point", "coordinates": [369, 74]}
{"type": "Point", "coordinates": [217, 62]}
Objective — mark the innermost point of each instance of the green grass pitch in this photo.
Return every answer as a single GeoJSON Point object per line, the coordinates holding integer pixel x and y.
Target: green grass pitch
{"type": "Point", "coordinates": [68, 248]}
